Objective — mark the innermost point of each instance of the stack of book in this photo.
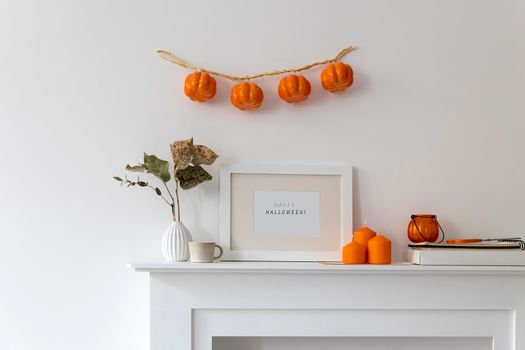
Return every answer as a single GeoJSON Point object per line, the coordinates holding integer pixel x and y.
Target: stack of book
{"type": "Point", "coordinates": [480, 254]}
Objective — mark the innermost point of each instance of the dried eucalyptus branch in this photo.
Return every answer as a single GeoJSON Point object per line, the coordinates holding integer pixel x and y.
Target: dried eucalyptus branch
{"type": "Point", "coordinates": [140, 183]}
{"type": "Point", "coordinates": [172, 204]}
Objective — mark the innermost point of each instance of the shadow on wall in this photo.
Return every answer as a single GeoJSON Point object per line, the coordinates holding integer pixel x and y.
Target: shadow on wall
{"type": "Point", "coordinates": [356, 200]}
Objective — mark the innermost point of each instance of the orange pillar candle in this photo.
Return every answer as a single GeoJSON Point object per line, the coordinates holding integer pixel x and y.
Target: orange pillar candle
{"type": "Point", "coordinates": [354, 253]}
{"type": "Point", "coordinates": [363, 235]}
{"type": "Point", "coordinates": [379, 250]}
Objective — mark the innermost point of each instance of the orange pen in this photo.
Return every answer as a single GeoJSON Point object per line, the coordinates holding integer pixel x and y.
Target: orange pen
{"type": "Point", "coordinates": [479, 240]}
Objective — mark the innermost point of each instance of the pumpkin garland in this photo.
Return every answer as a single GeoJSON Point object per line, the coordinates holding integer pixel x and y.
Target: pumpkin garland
{"type": "Point", "coordinates": [201, 85]}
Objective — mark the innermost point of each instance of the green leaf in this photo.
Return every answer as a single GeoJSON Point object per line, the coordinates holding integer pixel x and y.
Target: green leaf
{"type": "Point", "coordinates": [158, 167]}
{"type": "Point", "coordinates": [142, 183]}
{"type": "Point", "coordinates": [136, 168]}
{"type": "Point", "coordinates": [157, 191]}
{"type": "Point", "coordinates": [117, 178]}
{"type": "Point", "coordinates": [192, 176]}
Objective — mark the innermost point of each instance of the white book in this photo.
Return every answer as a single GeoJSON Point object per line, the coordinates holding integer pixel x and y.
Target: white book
{"type": "Point", "coordinates": [465, 257]}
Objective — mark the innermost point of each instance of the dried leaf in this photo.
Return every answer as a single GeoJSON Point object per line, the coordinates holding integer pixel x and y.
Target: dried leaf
{"type": "Point", "coordinates": [157, 191]}
{"type": "Point", "coordinates": [192, 176]}
{"type": "Point", "coordinates": [118, 178]}
{"type": "Point", "coordinates": [182, 153]}
{"type": "Point", "coordinates": [203, 155]}
{"type": "Point", "coordinates": [158, 167]}
{"type": "Point", "coordinates": [136, 168]}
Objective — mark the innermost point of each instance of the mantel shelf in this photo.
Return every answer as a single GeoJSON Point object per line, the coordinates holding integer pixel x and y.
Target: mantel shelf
{"type": "Point", "coordinates": [318, 267]}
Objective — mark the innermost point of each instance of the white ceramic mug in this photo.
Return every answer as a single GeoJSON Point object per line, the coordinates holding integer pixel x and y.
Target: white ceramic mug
{"type": "Point", "coordinates": [204, 252]}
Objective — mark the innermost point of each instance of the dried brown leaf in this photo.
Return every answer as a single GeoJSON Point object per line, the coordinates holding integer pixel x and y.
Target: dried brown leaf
{"type": "Point", "coordinates": [182, 153]}
{"type": "Point", "coordinates": [203, 155]}
{"type": "Point", "coordinates": [192, 176]}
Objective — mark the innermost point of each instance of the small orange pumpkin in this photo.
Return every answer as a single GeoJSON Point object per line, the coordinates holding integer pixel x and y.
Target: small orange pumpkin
{"type": "Point", "coordinates": [294, 88]}
{"type": "Point", "coordinates": [337, 77]}
{"type": "Point", "coordinates": [200, 86]}
{"type": "Point", "coordinates": [247, 96]}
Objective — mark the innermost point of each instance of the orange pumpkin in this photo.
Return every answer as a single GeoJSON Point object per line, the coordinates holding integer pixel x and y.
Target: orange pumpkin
{"type": "Point", "coordinates": [200, 86]}
{"type": "Point", "coordinates": [294, 88]}
{"type": "Point", "coordinates": [247, 96]}
{"type": "Point", "coordinates": [337, 77]}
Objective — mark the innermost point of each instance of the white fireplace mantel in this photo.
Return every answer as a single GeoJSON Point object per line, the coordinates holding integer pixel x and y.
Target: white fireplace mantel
{"type": "Point", "coordinates": [314, 267]}
{"type": "Point", "coordinates": [194, 304]}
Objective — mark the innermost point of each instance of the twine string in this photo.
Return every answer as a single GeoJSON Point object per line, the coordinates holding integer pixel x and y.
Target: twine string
{"type": "Point", "coordinates": [168, 56]}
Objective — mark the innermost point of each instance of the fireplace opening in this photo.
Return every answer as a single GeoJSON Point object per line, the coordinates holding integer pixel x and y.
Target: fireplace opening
{"type": "Point", "coordinates": [348, 343]}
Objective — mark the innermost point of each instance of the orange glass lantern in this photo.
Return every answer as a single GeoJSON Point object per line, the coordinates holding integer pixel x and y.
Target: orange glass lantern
{"type": "Point", "coordinates": [424, 228]}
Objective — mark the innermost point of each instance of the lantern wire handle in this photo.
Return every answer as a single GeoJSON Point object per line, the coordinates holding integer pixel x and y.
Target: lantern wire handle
{"type": "Point", "coordinates": [434, 217]}
{"type": "Point", "coordinates": [441, 229]}
{"type": "Point", "coordinates": [168, 56]}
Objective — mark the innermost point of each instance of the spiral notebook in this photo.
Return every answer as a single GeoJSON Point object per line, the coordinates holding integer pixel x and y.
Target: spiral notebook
{"type": "Point", "coordinates": [481, 245]}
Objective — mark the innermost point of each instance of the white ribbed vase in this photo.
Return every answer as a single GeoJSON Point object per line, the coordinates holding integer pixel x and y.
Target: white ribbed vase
{"type": "Point", "coordinates": [175, 242]}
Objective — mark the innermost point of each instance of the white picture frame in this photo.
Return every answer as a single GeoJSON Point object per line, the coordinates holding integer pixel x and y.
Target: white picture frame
{"type": "Point", "coordinates": [340, 174]}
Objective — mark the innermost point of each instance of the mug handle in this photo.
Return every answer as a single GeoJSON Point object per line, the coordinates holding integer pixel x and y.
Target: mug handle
{"type": "Point", "coordinates": [220, 252]}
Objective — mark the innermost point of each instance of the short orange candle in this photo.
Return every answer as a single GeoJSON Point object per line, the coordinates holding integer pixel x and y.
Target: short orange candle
{"type": "Point", "coordinates": [363, 235]}
{"type": "Point", "coordinates": [379, 250]}
{"type": "Point", "coordinates": [354, 253]}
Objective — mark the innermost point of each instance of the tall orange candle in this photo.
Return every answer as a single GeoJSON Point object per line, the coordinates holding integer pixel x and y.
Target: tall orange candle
{"type": "Point", "coordinates": [354, 253]}
{"type": "Point", "coordinates": [363, 235]}
{"type": "Point", "coordinates": [379, 250]}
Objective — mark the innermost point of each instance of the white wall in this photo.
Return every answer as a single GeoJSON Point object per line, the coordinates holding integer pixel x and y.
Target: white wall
{"type": "Point", "coordinates": [434, 124]}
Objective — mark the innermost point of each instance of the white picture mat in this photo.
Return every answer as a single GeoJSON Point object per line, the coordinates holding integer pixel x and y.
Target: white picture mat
{"type": "Point", "coordinates": [243, 187]}
{"type": "Point", "coordinates": [286, 213]}
{"type": "Point", "coordinates": [344, 206]}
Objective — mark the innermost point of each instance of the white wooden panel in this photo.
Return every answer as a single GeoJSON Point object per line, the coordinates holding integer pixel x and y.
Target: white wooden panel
{"type": "Point", "coordinates": [328, 302]}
